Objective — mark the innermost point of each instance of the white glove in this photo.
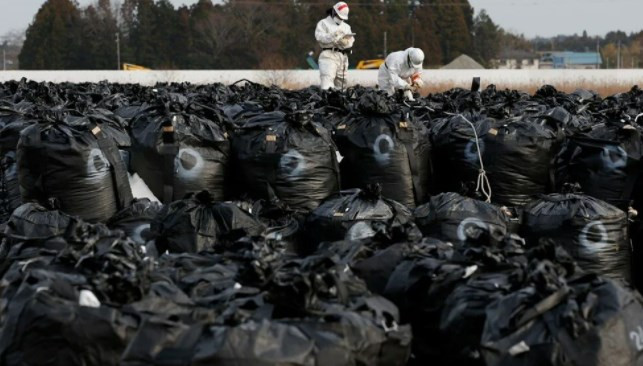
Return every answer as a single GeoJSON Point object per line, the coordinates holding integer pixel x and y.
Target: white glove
{"type": "Point", "coordinates": [345, 42]}
{"type": "Point", "coordinates": [408, 95]}
{"type": "Point", "coordinates": [416, 81]}
{"type": "Point", "coordinates": [338, 35]}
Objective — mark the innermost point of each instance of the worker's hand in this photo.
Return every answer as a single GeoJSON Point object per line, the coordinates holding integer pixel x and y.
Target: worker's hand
{"type": "Point", "coordinates": [346, 42]}
{"type": "Point", "coordinates": [339, 34]}
{"type": "Point", "coordinates": [416, 81]}
{"type": "Point", "coordinates": [408, 95]}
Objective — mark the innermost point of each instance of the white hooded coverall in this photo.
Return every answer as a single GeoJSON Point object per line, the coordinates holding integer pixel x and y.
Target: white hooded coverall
{"type": "Point", "coordinates": [333, 64]}
{"type": "Point", "coordinates": [396, 72]}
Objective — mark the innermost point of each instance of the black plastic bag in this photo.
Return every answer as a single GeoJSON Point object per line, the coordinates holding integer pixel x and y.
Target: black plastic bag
{"type": "Point", "coordinates": [461, 220]}
{"type": "Point", "coordinates": [287, 159]}
{"type": "Point", "coordinates": [594, 321]}
{"type": "Point", "coordinates": [456, 159]}
{"type": "Point", "coordinates": [198, 223]}
{"type": "Point", "coordinates": [76, 164]}
{"type": "Point", "coordinates": [136, 220]}
{"type": "Point", "coordinates": [385, 146]}
{"type": "Point", "coordinates": [594, 232]}
{"type": "Point", "coordinates": [176, 152]}
{"type": "Point", "coordinates": [518, 158]}
{"type": "Point", "coordinates": [49, 320]}
{"type": "Point", "coordinates": [357, 214]}
{"type": "Point", "coordinates": [464, 313]}
{"type": "Point", "coordinates": [10, 197]}
{"type": "Point", "coordinates": [605, 160]}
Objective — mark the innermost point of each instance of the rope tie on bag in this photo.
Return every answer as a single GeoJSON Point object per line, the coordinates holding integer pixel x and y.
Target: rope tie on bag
{"type": "Point", "coordinates": [482, 183]}
{"type": "Point", "coordinates": [636, 119]}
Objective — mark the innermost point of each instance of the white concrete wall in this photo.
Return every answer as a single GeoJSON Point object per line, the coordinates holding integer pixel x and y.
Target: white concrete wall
{"type": "Point", "coordinates": [299, 78]}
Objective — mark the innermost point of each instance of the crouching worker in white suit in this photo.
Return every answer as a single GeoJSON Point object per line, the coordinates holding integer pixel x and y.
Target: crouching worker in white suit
{"type": "Point", "coordinates": [402, 71]}
{"type": "Point", "coordinates": [336, 39]}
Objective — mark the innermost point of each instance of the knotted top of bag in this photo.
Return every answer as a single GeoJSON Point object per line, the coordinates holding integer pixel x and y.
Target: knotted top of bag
{"type": "Point", "coordinates": [373, 103]}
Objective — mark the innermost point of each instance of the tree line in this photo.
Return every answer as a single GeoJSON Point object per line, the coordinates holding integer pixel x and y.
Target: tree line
{"type": "Point", "coordinates": [240, 34]}
{"type": "Point", "coordinates": [278, 34]}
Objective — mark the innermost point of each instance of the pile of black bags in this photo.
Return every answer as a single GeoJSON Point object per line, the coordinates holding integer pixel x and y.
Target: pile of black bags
{"type": "Point", "coordinates": [308, 227]}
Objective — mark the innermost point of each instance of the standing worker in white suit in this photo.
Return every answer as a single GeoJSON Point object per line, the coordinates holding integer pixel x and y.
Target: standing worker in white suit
{"type": "Point", "coordinates": [336, 39]}
{"type": "Point", "coordinates": [402, 71]}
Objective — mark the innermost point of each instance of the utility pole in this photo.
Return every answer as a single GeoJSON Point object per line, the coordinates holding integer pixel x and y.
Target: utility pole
{"type": "Point", "coordinates": [618, 56]}
{"type": "Point", "coordinates": [118, 51]}
{"type": "Point", "coordinates": [385, 46]}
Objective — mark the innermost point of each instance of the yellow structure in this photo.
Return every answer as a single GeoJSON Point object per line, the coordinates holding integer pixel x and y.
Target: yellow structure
{"type": "Point", "coordinates": [369, 64]}
{"type": "Point", "coordinates": [132, 67]}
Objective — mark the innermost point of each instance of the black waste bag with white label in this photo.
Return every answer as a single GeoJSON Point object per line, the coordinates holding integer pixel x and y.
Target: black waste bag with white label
{"type": "Point", "coordinates": [380, 144]}
{"type": "Point", "coordinates": [176, 151]}
{"type": "Point", "coordinates": [461, 220]}
{"type": "Point", "coordinates": [464, 313]}
{"type": "Point", "coordinates": [419, 286]}
{"type": "Point", "coordinates": [358, 214]}
{"type": "Point", "coordinates": [518, 158]}
{"type": "Point", "coordinates": [55, 320]}
{"type": "Point", "coordinates": [198, 223]}
{"type": "Point", "coordinates": [594, 232]}
{"type": "Point", "coordinates": [75, 163]}
{"type": "Point", "coordinates": [591, 321]}
{"type": "Point", "coordinates": [135, 220]}
{"type": "Point", "coordinates": [456, 152]}
{"type": "Point", "coordinates": [605, 159]}
{"type": "Point", "coordinates": [287, 159]}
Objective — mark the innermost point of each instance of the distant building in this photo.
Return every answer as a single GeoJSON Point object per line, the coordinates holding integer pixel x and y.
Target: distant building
{"type": "Point", "coordinates": [516, 59]}
{"type": "Point", "coordinates": [570, 60]}
{"type": "Point", "coordinates": [463, 62]}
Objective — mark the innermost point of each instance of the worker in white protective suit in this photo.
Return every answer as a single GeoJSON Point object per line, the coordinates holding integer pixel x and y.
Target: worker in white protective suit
{"type": "Point", "coordinates": [336, 39]}
{"type": "Point", "coordinates": [402, 70]}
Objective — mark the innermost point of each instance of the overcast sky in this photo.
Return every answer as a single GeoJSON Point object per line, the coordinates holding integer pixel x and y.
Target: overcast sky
{"type": "Point", "coordinates": [530, 17]}
{"type": "Point", "coordinates": [553, 17]}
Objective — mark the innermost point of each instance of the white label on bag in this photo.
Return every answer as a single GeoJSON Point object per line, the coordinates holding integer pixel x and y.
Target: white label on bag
{"type": "Point", "coordinates": [360, 230]}
{"type": "Point", "coordinates": [88, 299]}
{"type": "Point", "coordinates": [137, 234]}
{"type": "Point", "coordinates": [382, 147]}
{"type": "Point", "coordinates": [471, 151]}
{"type": "Point", "coordinates": [292, 163]}
{"type": "Point", "coordinates": [593, 237]}
{"type": "Point", "coordinates": [97, 164]}
{"type": "Point", "coordinates": [189, 163]}
{"type": "Point", "coordinates": [469, 221]}
{"type": "Point", "coordinates": [613, 157]}
{"type": "Point", "coordinates": [469, 271]}
{"type": "Point", "coordinates": [519, 348]}
{"type": "Point", "coordinates": [637, 338]}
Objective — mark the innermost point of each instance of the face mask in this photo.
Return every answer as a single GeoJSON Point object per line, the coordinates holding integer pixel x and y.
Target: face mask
{"type": "Point", "coordinates": [338, 20]}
